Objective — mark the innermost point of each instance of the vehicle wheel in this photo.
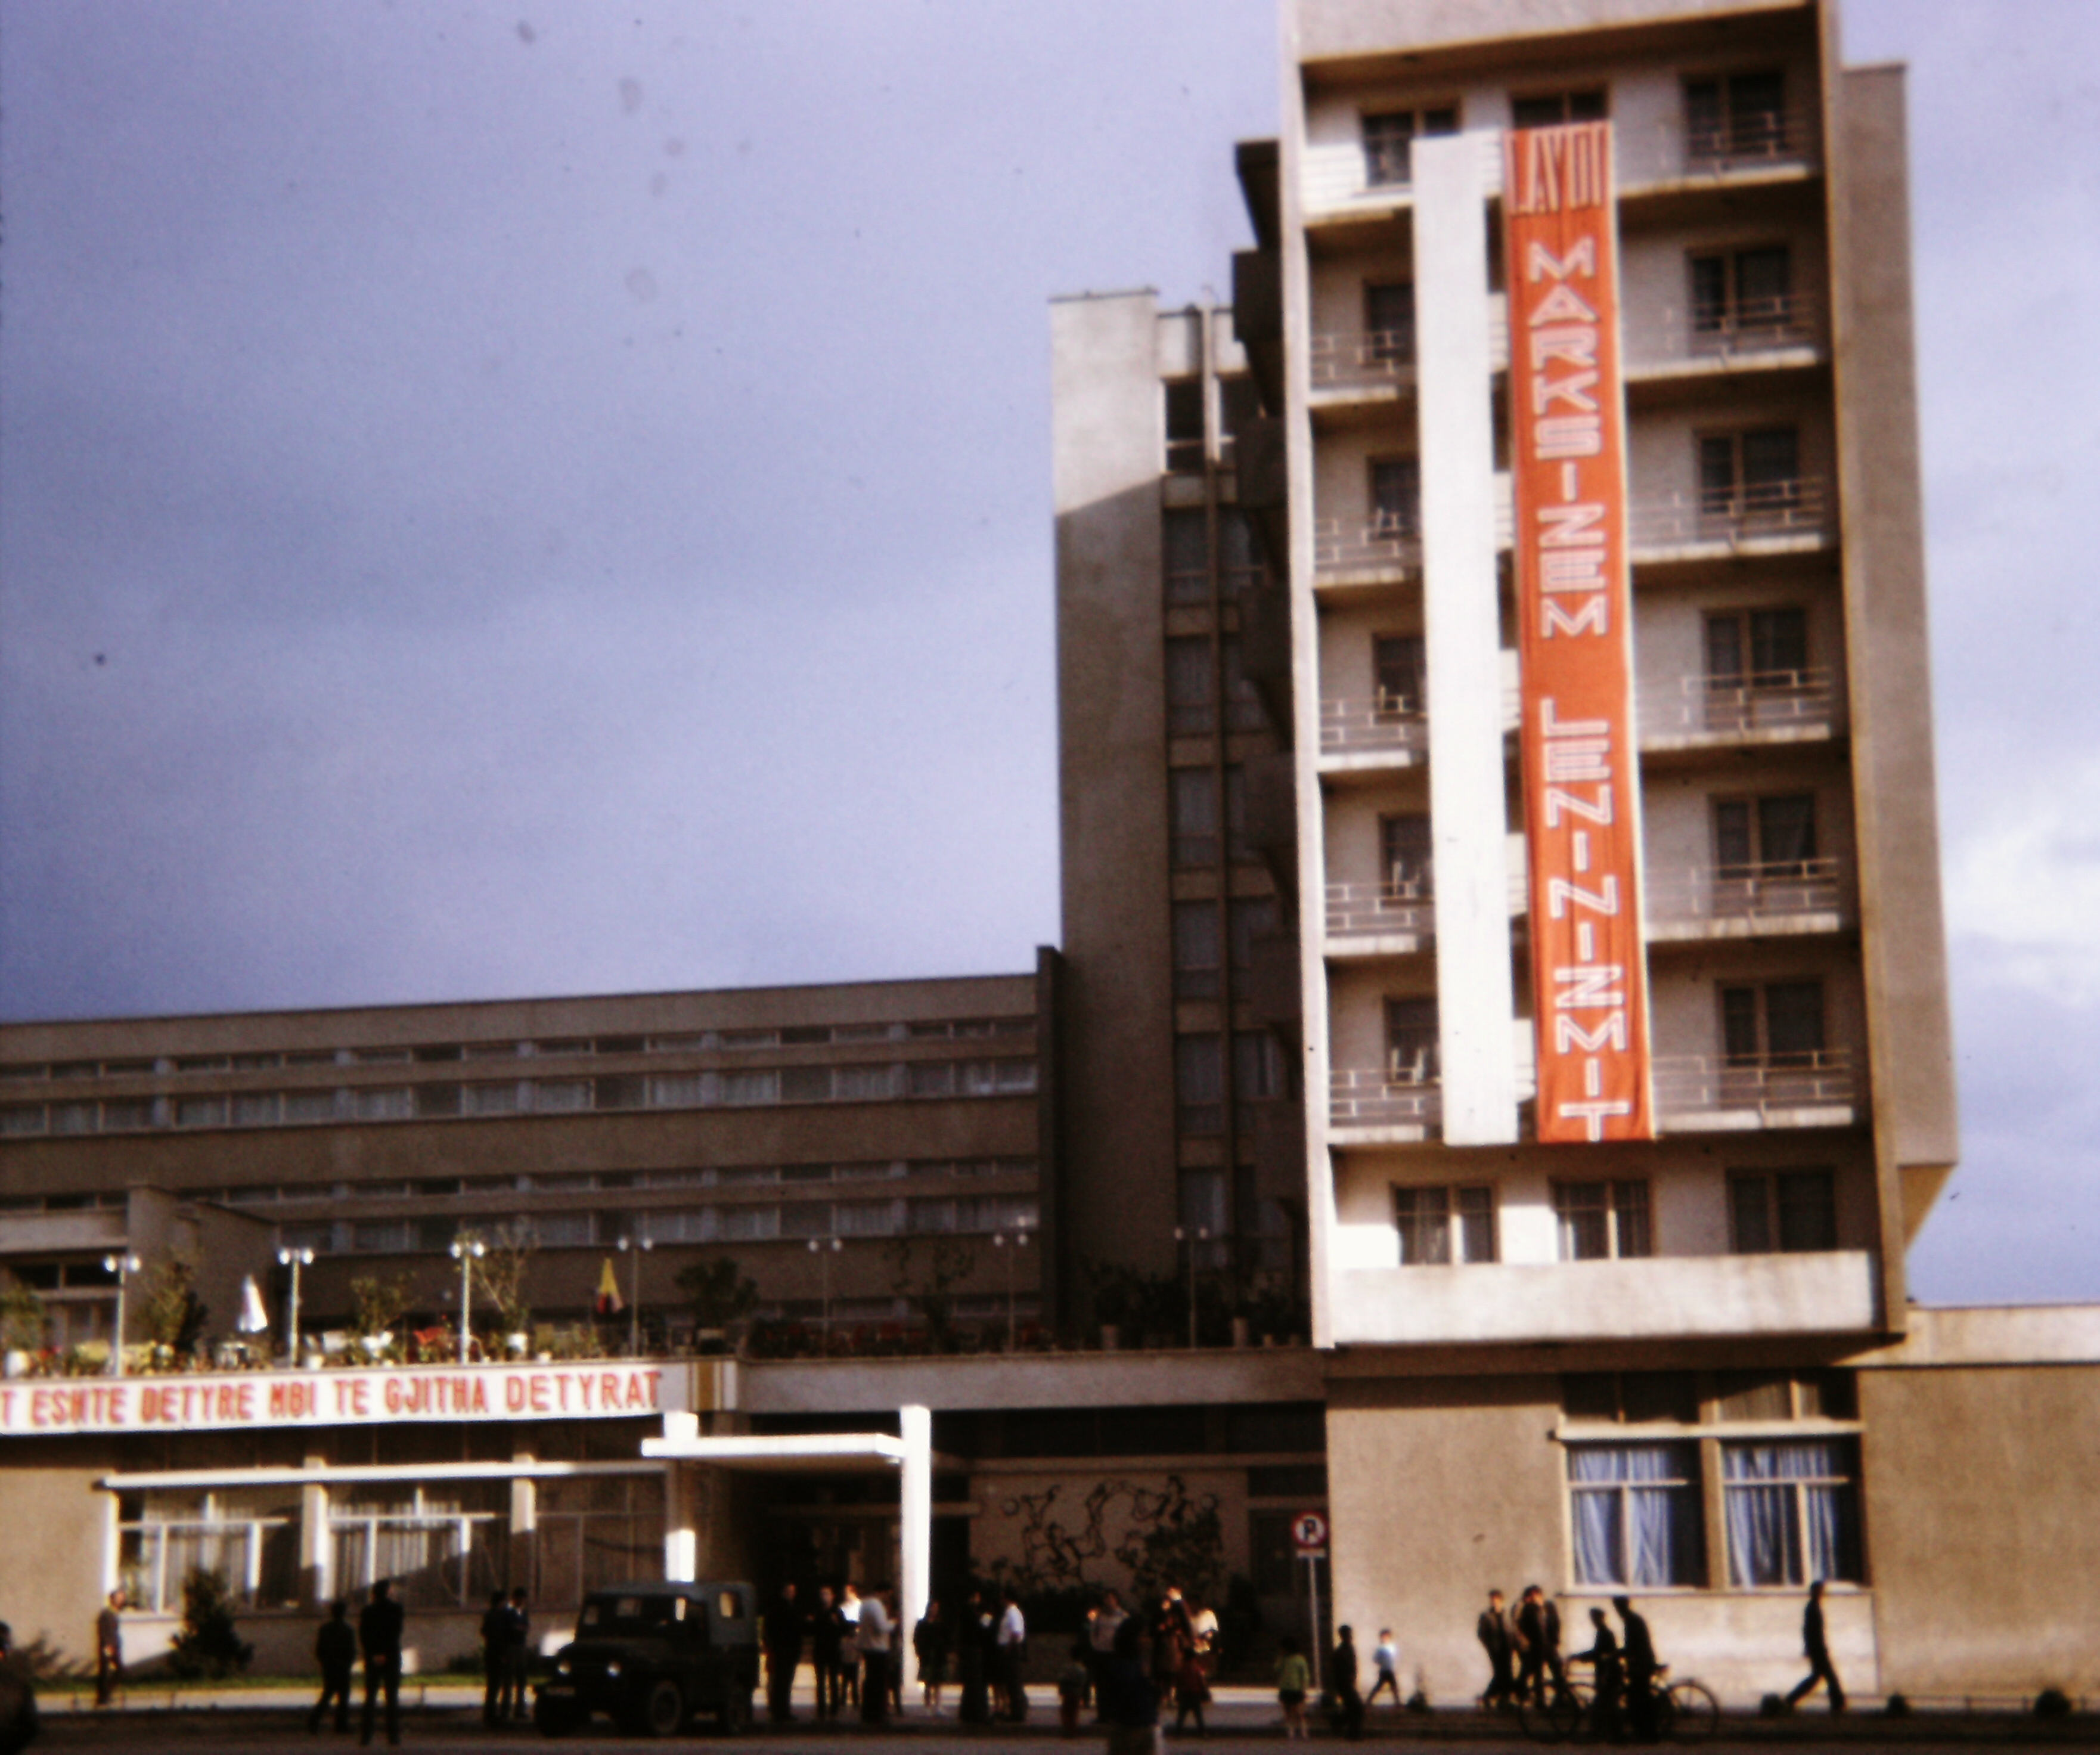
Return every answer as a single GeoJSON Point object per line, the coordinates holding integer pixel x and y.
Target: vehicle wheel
{"type": "Point", "coordinates": [663, 1712]}
{"type": "Point", "coordinates": [735, 1718]}
{"type": "Point", "coordinates": [1695, 1715]}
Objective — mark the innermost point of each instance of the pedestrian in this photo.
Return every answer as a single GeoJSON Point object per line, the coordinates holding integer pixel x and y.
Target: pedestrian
{"type": "Point", "coordinates": [1203, 1630]}
{"type": "Point", "coordinates": [335, 1650]}
{"type": "Point", "coordinates": [784, 1655]}
{"type": "Point", "coordinates": [826, 1629]}
{"type": "Point", "coordinates": [110, 1648]}
{"type": "Point", "coordinates": [1538, 1646]}
{"type": "Point", "coordinates": [850, 1609]}
{"type": "Point", "coordinates": [1385, 1660]}
{"type": "Point", "coordinates": [1640, 1670]}
{"type": "Point", "coordinates": [519, 1654]}
{"type": "Point", "coordinates": [929, 1645]}
{"type": "Point", "coordinates": [1293, 1678]}
{"type": "Point", "coordinates": [1607, 1672]}
{"type": "Point", "coordinates": [1816, 1648]}
{"type": "Point", "coordinates": [972, 1640]}
{"type": "Point", "coordinates": [893, 1672]}
{"type": "Point", "coordinates": [1192, 1688]}
{"type": "Point", "coordinates": [871, 1639]}
{"type": "Point", "coordinates": [1012, 1642]}
{"type": "Point", "coordinates": [1074, 1683]}
{"type": "Point", "coordinates": [495, 1626]}
{"type": "Point", "coordinates": [1348, 1701]}
{"type": "Point", "coordinates": [379, 1633]}
{"type": "Point", "coordinates": [1103, 1621]}
{"type": "Point", "coordinates": [1171, 1636]}
{"type": "Point", "coordinates": [18, 1698]}
{"type": "Point", "coordinates": [1492, 1630]}
{"type": "Point", "coordinates": [1129, 1703]}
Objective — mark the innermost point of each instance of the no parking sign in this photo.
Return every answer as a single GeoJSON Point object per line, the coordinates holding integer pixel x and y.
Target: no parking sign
{"type": "Point", "coordinates": [1308, 1533]}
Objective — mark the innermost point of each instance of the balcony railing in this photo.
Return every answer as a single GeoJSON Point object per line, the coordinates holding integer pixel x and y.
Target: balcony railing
{"type": "Point", "coordinates": [1751, 512]}
{"type": "Point", "coordinates": [1361, 1098]}
{"type": "Point", "coordinates": [1754, 140]}
{"type": "Point", "coordinates": [1770, 891]}
{"type": "Point", "coordinates": [1356, 909]}
{"type": "Point", "coordinates": [1767, 1085]}
{"type": "Point", "coordinates": [1368, 360]}
{"type": "Point", "coordinates": [1341, 547]}
{"type": "Point", "coordinates": [1729, 707]}
{"type": "Point", "coordinates": [1382, 723]}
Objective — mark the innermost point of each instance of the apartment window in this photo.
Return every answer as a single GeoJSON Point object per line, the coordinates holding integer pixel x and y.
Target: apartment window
{"type": "Point", "coordinates": [1757, 649]}
{"type": "Point", "coordinates": [1195, 802]}
{"type": "Point", "coordinates": [1244, 710]}
{"type": "Point", "coordinates": [1396, 497]}
{"type": "Point", "coordinates": [253, 1108]}
{"type": "Point", "coordinates": [1244, 562]}
{"type": "Point", "coordinates": [559, 1097]}
{"type": "Point", "coordinates": [1786, 1211]}
{"type": "Point", "coordinates": [1634, 1513]}
{"type": "Point", "coordinates": [805, 1084]}
{"type": "Point", "coordinates": [1196, 950]}
{"type": "Point", "coordinates": [1389, 138]}
{"type": "Point", "coordinates": [310, 1106]}
{"type": "Point", "coordinates": [1185, 555]}
{"type": "Point", "coordinates": [1757, 838]}
{"type": "Point", "coordinates": [200, 1112]}
{"type": "Point", "coordinates": [1199, 1085]}
{"type": "Point", "coordinates": [1185, 426]}
{"type": "Point", "coordinates": [1411, 1055]}
{"type": "Point", "coordinates": [437, 1100]}
{"type": "Point", "coordinates": [1736, 115]}
{"type": "Point", "coordinates": [1602, 1221]}
{"type": "Point", "coordinates": [1744, 291]}
{"type": "Point", "coordinates": [1631, 1398]}
{"type": "Point", "coordinates": [1399, 671]}
{"type": "Point", "coordinates": [1239, 406]}
{"type": "Point", "coordinates": [1407, 861]}
{"type": "Point", "coordinates": [1765, 1396]}
{"type": "Point", "coordinates": [1776, 1024]}
{"type": "Point", "coordinates": [1792, 1512]}
{"type": "Point", "coordinates": [123, 1114]}
{"type": "Point", "coordinates": [1191, 706]}
{"type": "Point", "coordinates": [1750, 475]}
{"type": "Point", "coordinates": [1438, 1226]}
{"type": "Point", "coordinates": [1389, 322]}
{"type": "Point", "coordinates": [864, 1084]}
{"type": "Point", "coordinates": [1257, 1066]}
{"type": "Point", "coordinates": [1550, 109]}
{"type": "Point", "coordinates": [1205, 1203]}
{"type": "Point", "coordinates": [1248, 920]}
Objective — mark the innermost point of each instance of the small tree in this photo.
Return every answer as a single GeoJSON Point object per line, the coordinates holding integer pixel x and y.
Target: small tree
{"type": "Point", "coordinates": [376, 1304]}
{"type": "Point", "coordinates": [21, 1316]}
{"type": "Point", "coordinates": [720, 1295]}
{"type": "Point", "coordinates": [927, 1270]}
{"type": "Point", "coordinates": [208, 1646]}
{"type": "Point", "coordinates": [502, 1273]}
{"type": "Point", "coordinates": [174, 1316]}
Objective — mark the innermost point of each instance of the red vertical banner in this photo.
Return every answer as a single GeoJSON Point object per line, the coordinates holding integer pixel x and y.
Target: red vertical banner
{"type": "Point", "coordinates": [1582, 778]}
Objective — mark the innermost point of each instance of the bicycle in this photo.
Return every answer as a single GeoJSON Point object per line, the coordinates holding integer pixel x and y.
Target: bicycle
{"type": "Point", "coordinates": [1685, 1712]}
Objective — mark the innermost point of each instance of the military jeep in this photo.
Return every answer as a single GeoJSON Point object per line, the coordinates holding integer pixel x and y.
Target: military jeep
{"type": "Point", "coordinates": [653, 1656]}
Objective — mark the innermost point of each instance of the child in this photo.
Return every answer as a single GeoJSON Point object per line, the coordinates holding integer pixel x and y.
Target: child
{"type": "Point", "coordinates": [1386, 1661]}
{"type": "Point", "coordinates": [1191, 1687]}
{"type": "Point", "coordinates": [1072, 1686]}
{"type": "Point", "coordinates": [1294, 1676]}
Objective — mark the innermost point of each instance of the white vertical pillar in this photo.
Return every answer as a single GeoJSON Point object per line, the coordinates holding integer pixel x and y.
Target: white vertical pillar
{"type": "Point", "coordinates": [113, 1544]}
{"type": "Point", "coordinates": [916, 1530]}
{"type": "Point", "coordinates": [682, 1545]}
{"type": "Point", "coordinates": [1476, 998]}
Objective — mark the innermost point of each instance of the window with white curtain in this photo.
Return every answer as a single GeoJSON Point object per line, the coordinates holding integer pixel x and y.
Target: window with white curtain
{"type": "Point", "coordinates": [1635, 1514]}
{"type": "Point", "coordinates": [1792, 1512]}
{"type": "Point", "coordinates": [442, 1546]}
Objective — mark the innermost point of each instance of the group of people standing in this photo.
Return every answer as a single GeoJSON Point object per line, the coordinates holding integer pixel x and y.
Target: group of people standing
{"type": "Point", "coordinates": [1130, 1665]}
{"type": "Point", "coordinates": [854, 1642]}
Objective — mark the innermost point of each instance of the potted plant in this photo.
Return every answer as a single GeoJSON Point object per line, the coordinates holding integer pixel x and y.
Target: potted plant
{"type": "Point", "coordinates": [376, 1305]}
{"type": "Point", "coordinates": [21, 1326]}
{"type": "Point", "coordinates": [720, 1297]}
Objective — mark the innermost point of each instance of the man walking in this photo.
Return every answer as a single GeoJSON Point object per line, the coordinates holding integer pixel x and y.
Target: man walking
{"type": "Point", "coordinates": [1012, 1642]}
{"type": "Point", "coordinates": [110, 1648]}
{"type": "Point", "coordinates": [1640, 1670]}
{"type": "Point", "coordinates": [335, 1650]}
{"type": "Point", "coordinates": [1538, 1647]}
{"type": "Point", "coordinates": [873, 1642]}
{"type": "Point", "coordinates": [495, 1660]}
{"type": "Point", "coordinates": [1347, 1698]}
{"type": "Point", "coordinates": [379, 1631]}
{"type": "Point", "coordinates": [1816, 1648]}
{"type": "Point", "coordinates": [784, 1655]}
{"type": "Point", "coordinates": [520, 1653]}
{"type": "Point", "coordinates": [1492, 1630]}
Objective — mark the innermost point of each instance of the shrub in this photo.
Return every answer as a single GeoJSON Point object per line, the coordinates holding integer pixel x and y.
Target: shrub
{"type": "Point", "coordinates": [2052, 1703]}
{"type": "Point", "coordinates": [208, 1647]}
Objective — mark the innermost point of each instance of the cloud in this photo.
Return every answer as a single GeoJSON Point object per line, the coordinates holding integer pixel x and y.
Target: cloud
{"type": "Point", "coordinates": [2023, 884]}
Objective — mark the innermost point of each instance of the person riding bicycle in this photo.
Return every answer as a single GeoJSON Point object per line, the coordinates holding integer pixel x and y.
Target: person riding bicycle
{"type": "Point", "coordinates": [1603, 1656]}
{"type": "Point", "coordinates": [1641, 1668]}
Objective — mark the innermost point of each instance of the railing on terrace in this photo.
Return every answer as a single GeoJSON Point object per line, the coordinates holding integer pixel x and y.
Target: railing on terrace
{"type": "Point", "coordinates": [1799, 506]}
{"type": "Point", "coordinates": [1753, 140]}
{"type": "Point", "coordinates": [1382, 723]}
{"type": "Point", "coordinates": [1771, 890]}
{"type": "Point", "coordinates": [1340, 546]}
{"type": "Point", "coordinates": [1363, 1098]}
{"type": "Point", "coordinates": [1359, 908]}
{"type": "Point", "coordinates": [1701, 1084]}
{"type": "Point", "coordinates": [1372, 358]}
{"type": "Point", "coordinates": [1734, 706]}
{"type": "Point", "coordinates": [1756, 325]}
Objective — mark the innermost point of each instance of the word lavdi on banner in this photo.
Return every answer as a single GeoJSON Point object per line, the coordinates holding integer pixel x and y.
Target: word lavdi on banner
{"type": "Point", "coordinates": [1582, 778]}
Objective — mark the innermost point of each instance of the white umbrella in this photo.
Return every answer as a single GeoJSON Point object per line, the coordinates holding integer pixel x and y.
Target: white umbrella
{"type": "Point", "coordinates": [254, 1319]}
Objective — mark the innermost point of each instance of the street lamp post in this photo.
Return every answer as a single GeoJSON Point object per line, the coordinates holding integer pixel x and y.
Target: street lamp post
{"type": "Point", "coordinates": [635, 1248]}
{"type": "Point", "coordinates": [466, 1251]}
{"type": "Point", "coordinates": [1013, 1243]}
{"type": "Point", "coordinates": [1192, 1236]}
{"type": "Point", "coordinates": [824, 1249]}
{"type": "Point", "coordinates": [294, 1259]}
{"type": "Point", "coordinates": [123, 1266]}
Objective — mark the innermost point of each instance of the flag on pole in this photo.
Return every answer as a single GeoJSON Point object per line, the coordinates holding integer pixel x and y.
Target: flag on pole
{"type": "Point", "coordinates": [253, 1318]}
{"type": "Point", "coordinates": [609, 1302]}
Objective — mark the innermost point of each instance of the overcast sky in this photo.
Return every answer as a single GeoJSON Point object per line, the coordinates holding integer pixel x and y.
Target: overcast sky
{"type": "Point", "coordinates": [525, 500]}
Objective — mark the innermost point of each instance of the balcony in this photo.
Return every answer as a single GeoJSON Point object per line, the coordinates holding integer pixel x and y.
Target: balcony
{"type": "Point", "coordinates": [1781, 330]}
{"type": "Point", "coordinates": [1382, 732]}
{"type": "Point", "coordinates": [1747, 901]}
{"type": "Point", "coordinates": [1794, 515]}
{"type": "Point", "coordinates": [1699, 1093]}
{"type": "Point", "coordinates": [1382, 551]}
{"type": "Point", "coordinates": [1373, 1107]}
{"type": "Point", "coordinates": [1379, 920]}
{"type": "Point", "coordinates": [1755, 707]}
{"type": "Point", "coordinates": [1377, 363]}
